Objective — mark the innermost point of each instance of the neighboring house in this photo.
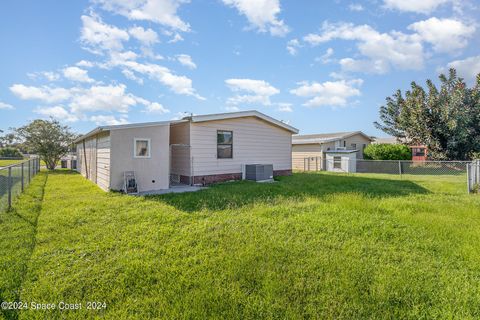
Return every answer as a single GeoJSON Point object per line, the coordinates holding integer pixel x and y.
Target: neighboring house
{"type": "Point", "coordinates": [315, 146]}
{"type": "Point", "coordinates": [195, 150]}
{"type": "Point", "coordinates": [419, 153]}
{"type": "Point", "coordinates": [385, 140]}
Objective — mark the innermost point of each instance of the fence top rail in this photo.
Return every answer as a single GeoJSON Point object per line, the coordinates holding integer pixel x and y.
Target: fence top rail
{"type": "Point", "coordinates": [16, 164]}
{"type": "Point", "coordinates": [426, 161]}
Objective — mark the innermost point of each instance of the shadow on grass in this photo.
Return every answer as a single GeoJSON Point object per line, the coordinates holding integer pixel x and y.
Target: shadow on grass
{"type": "Point", "coordinates": [296, 187]}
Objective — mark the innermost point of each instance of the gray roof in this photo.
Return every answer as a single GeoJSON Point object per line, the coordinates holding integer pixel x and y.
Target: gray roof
{"type": "Point", "coordinates": [325, 137]}
{"type": "Point", "coordinates": [195, 118]}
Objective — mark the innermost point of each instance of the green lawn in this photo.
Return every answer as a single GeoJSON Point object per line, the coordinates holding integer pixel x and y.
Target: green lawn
{"type": "Point", "coordinates": [313, 245]}
{"type": "Point", "coordinates": [4, 163]}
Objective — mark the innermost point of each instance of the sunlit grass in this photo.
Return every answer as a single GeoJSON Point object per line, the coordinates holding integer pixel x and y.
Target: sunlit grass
{"type": "Point", "coordinates": [314, 245]}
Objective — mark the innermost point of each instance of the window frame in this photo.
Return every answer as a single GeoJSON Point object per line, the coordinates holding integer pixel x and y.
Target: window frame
{"type": "Point", "coordinates": [354, 146]}
{"type": "Point", "coordinates": [225, 144]}
{"type": "Point", "coordinates": [149, 148]}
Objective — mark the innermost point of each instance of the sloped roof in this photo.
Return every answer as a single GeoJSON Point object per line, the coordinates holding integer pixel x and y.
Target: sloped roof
{"type": "Point", "coordinates": [241, 114]}
{"type": "Point", "coordinates": [325, 137]}
{"type": "Point", "coordinates": [199, 118]}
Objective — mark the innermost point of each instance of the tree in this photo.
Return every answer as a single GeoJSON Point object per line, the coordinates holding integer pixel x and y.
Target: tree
{"type": "Point", "coordinates": [10, 153]}
{"type": "Point", "coordinates": [446, 120]}
{"type": "Point", "coordinates": [47, 138]}
{"type": "Point", "coordinates": [386, 151]}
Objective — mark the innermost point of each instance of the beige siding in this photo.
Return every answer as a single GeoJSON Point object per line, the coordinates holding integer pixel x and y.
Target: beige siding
{"type": "Point", "coordinates": [151, 173]}
{"type": "Point", "coordinates": [254, 141]}
{"type": "Point", "coordinates": [97, 156]}
{"type": "Point", "coordinates": [103, 160]}
{"type": "Point", "coordinates": [302, 151]}
{"type": "Point", "coordinates": [180, 161]}
{"type": "Point", "coordinates": [359, 140]}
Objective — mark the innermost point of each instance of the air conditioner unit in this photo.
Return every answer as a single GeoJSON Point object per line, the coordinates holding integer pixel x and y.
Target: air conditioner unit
{"type": "Point", "coordinates": [259, 172]}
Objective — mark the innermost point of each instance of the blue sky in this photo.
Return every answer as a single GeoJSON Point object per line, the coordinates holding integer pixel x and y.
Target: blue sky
{"type": "Point", "coordinates": [322, 66]}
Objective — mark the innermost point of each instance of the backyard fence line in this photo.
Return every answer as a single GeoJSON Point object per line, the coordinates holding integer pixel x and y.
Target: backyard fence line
{"type": "Point", "coordinates": [15, 178]}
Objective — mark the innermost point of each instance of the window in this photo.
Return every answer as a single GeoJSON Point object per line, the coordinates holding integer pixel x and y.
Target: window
{"type": "Point", "coordinates": [224, 144]}
{"type": "Point", "coordinates": [337, 162]}
{"type": "Point", "coordinates": [364, 146]}
{"type": "Point", "coordinates": [141, 148]}
{"type": "Point", "coordinates": [344, 143]}
{"type": "Point", "coordinates": [419, 152]}
{"type": "Point", "coordinates": [354, 146]}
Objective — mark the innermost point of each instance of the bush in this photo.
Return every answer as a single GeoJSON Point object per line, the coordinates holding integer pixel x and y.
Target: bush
{"type": "Point", "coordinates": [10, 153]}
{"type": "Point", "coordinates": [385, 151]}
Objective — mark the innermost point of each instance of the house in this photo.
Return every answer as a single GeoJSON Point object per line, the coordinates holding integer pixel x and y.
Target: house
{"type": "Point", "coordinates": [315, 146]}
{"type": "Point", "coordinates": [201, 149]}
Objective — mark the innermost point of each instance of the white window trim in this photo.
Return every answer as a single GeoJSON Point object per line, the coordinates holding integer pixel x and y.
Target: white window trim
{"type": "Point", "coordinates": [135, 148]}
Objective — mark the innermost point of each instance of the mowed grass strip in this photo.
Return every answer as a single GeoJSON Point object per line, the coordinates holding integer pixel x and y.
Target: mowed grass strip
{"type": "Point", "coordinates": [17, 239]}
{"type": "Point", "coordinates": [310, 245]}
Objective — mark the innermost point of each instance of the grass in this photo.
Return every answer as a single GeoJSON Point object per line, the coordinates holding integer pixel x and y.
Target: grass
{"type": "Point", "coordinates": [4, 163]}
{"type": "Point", "coordinates": [313, 245]}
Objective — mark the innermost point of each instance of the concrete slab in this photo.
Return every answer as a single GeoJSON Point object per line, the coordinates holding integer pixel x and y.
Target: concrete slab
{"type": "Point", "coordinates": [173, 189]}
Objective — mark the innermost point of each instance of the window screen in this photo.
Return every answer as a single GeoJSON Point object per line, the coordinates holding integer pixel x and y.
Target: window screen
{"type": "Point", "coordinates": [337, 162]}
{"type": "Point", "coordinates": [224, 144]}
{"type": "Point", "coordinates": [142, 148]}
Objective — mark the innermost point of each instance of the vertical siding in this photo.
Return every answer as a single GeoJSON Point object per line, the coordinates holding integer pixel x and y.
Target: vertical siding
{"type": "Point", "coordinates": [97, 156]}
{"type": "Point", "coordinates": [103, 160]}
{"type": "Point", "coordinates": [180, 161]}
{"type": "Point", "coordinates": [302, 151]}
{"type": "Point", "coordinates": [254, 141]}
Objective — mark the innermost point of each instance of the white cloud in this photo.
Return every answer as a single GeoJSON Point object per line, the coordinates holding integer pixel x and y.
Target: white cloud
{"type": "Point", "coordinates": [45, 93]}
{"type": "Point", "coordinates": [48, 75]}
{"type": "Point", "coordinates": [261, 14]}
{"type": "Point", "coordinates": [468, 68]}
{"type": "Point", "coordinates": [445, 35]}
{"type": "Point", "coordinates": [6, 106]}
{"type": "Point", "coordinates": [186, 61]}
{"type": "Point", "coordinates": [176, 38]}
{"type": "Point", "coordinates": [285, 107]}
{"type": "Point", "coordinates": [394, 49]}
{"type": "Point", "coordinates": [156, 107]}
{"type": "Point", "coordinates": [257, 91]}
{"type": "Point", "coordinates": [355, 7]}
{"type": "Point", "coordinates": [80, 101]}
{"type": "Point", "coordinates": [57, 112]}
{"type": "Point", "coordinates": [129, 74]}
{"type": "Point", "coordinates": [292, 46]}
{"type": "Point", "coordinates": [98, 36]}
{"type": "Point", "coordinates": [85, 64]}
{"type": "Point", "coordinates": [326, 57]}
{"type": "Point", "coordinates": [418, 6]}
{"type": "Point", "coordinates": [77, 74]}
{"type": "Point", "coordinates": [108, 120]}
{"type": "Point", "coordinates": [329, 93]}
{"type": "Point", "coordinates": [178, 84]}
{"type": "Point", "coordinates": [146, 36]}
{"type": "Point", "coordinates": [163, 12]}
{"type": "Point", "coordinates": [232, 108]}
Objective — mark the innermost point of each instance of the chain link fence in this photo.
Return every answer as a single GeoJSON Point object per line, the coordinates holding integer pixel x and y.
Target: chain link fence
{"type": "Point", "coordinates": [454, 171]}
{"type": "Point", "coordinates": [473, 170]}
{"type": "Point", "coordinates": [14, 178]}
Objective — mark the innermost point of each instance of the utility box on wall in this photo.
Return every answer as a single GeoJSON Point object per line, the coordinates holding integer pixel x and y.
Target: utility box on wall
{"type": "Point", "coordinates": [341, 160]}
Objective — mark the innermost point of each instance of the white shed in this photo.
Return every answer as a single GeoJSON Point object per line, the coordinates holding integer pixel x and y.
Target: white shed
{"type": "Point", "coordinates": [341, 160]}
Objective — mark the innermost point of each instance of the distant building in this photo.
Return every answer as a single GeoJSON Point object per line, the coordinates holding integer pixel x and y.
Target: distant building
{"type": "Point", "coordinates": [419, 152]}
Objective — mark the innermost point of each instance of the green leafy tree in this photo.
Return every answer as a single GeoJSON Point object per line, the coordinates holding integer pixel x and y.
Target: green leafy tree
{"type": "Point", "coordinates": [385, 151]}
{"type": "Point", "coordinates": [10, 153]}
{"type": "Point", "coordinates": [445, 119]}
{"type": "Point", "coordinates": [47, 138]}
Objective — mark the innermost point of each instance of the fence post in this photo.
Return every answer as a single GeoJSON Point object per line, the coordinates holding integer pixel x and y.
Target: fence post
{"type": "Point", "coordinates": [9, 187]}
{"type": "Point", "coordinates": [23, 186]}
{"type": "Point", "coordinates": [468, 178]}
{"type": "Point", "coordinates": [400, 168]}
{"type": "Point", "coordinates": [29, 169]}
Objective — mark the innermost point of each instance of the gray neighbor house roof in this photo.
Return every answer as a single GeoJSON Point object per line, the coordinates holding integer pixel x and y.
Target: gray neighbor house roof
{"type": "Point", "coordinates": [325, 137]}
